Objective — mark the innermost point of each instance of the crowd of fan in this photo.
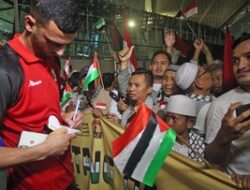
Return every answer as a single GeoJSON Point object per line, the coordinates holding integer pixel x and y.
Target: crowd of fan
{"type": "Point", "coordinates": [188, 96]}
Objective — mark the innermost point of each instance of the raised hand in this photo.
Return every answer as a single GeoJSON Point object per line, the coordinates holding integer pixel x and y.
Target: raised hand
{"type": "Point", "coordinates": [169, 38]}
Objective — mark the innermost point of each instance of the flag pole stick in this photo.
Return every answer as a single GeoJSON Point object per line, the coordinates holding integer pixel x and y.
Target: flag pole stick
{"type": "Point", "coordinates": [76, 110]}
{"type": "Point", "coordinates": [99, 69]}
{"type": "Point", "coordinates": [191, 30]}
{"type": "Point", "coordinates": [110, 49]}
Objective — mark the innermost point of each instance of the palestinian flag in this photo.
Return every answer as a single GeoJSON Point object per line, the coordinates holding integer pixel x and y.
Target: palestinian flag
{"type": "Point", "coordinates": [92, 74]}
{"type": "Point", "coordinates": [141, 150]}
{"type": "Point", "coordinates": [67, 96]}
{"type": "Point", "coordinates": [100, 23]}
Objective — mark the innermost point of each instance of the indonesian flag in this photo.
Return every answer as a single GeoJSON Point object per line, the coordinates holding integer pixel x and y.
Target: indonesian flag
{"type": "Point", "coordinates": [92, 74]}
{"type": "Point", "coordinates": [101, 105]}
{"type": "Point", "coordinates": [141, 150]}
{"type": "Point", "coordinates": [181, 45]}
{"type": "Point", "coordinates": [189, 11]}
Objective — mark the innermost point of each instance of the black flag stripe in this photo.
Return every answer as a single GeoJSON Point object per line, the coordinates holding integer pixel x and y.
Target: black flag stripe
{"type": "Point", "coordinates": [141, 146]}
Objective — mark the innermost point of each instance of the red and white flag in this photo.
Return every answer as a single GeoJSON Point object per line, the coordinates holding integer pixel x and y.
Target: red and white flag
{"type": "Point", "coordinates": [189, 11]}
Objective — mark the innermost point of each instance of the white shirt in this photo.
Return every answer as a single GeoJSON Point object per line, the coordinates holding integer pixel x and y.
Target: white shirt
{"type": "Point", "coordinates": [180, 148]}
{"type": "Point", "coordinates": [240, 163]}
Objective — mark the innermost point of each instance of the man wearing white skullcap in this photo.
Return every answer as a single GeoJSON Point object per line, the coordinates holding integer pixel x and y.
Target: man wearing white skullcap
{"type": "Point", "coordinates": [181, 116]}
{"type": "Point", "coordinates": [196, 82]}
{"type": "Point", "coordinates": [186, 75]}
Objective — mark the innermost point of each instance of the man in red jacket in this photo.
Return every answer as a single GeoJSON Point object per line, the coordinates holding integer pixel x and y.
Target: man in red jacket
{"type": "Point", "coordinates": [29, 96]}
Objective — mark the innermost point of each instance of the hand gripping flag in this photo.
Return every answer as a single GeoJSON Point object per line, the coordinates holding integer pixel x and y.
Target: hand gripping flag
{"type": "Point", "coordinates": [141, 150]}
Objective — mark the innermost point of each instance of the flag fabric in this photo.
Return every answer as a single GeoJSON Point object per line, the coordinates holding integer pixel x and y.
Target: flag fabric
{"type": "Point", "coordinates": [67, 96]}
{"type": "Point", "coordinates": [141, 150]}
{"type": "Point", "coordinates": [229, 81]}
{"type": "Point", "coordinates": [189, 11]}
{"type": "Point", "coordinates": [94, 167]}
{"type": "Point", "coordinates": [127, 41]}
{"type": "Point", "coordinates": [92, 74]}
{"type": "Point", "coordinates": [181, 45]}
{"type": "Point", "coordinates": [117, 39]}
{"type": "Point", "coordinates": [100, 23]}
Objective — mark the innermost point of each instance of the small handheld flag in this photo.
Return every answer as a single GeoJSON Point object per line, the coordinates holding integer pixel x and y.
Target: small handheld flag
{"type": "Point", "coordinates": [92, 74]}
{"type": "Point", "coordinates": [141, 150]}
{"type": "Point", "coordinates": [100, 23]}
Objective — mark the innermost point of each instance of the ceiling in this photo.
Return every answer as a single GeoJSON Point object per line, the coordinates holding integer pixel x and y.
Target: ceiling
{"type": "Point", "coordinates": [214, 13]}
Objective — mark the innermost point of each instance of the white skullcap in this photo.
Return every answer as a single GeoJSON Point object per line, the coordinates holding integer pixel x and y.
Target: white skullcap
{"type": "Point", "coordinates": [183, 105]}
{"type": "Point", "coordinates": [186, 74]}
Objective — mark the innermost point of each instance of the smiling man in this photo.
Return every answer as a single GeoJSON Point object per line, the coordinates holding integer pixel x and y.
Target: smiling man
{"type": "Point", "coordinates": [228, 135]}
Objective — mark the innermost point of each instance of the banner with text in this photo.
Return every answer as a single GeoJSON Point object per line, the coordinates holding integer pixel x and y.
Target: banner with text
{"type": "Point", "coordinates": [95, 170]}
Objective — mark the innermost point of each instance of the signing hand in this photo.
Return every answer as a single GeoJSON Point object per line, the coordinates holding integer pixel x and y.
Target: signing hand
{"type": "Point", "coordinates": [57, 142]}
{"type": "Point", "coordinates": [68, 116]}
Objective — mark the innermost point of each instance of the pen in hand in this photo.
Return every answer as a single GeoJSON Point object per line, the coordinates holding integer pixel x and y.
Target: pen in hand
{"type": "Point", "coordinates": [75, 112]}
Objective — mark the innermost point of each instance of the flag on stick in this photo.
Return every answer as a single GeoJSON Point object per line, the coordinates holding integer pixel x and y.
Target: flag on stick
{"type": "Point", "coordinates": [181, 45]}
{"type": "Point", "coordinates": [100, 23]}
{"type": "Point", "coordinates": [92, 74]}
{"type": "Point", "coordinates": [141, 150]}
{"type": "Point", "coordinates": [189, 11]}
{"type": "Point", "coordinates": [67, 96]}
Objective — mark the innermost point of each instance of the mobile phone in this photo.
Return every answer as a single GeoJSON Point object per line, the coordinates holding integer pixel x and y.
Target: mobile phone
{"type": "Point", "coordinates": [242, 108]}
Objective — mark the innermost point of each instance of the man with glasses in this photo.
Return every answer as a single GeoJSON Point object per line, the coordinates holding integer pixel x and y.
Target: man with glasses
{"type": "Point", "coordinates": [196, 82]}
